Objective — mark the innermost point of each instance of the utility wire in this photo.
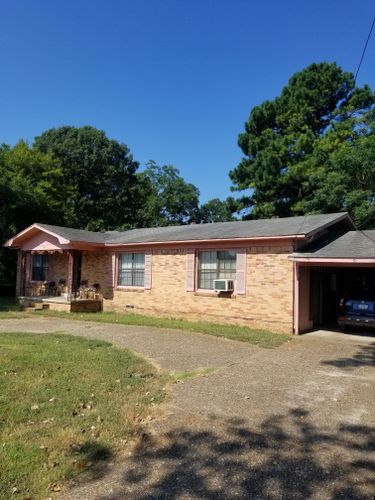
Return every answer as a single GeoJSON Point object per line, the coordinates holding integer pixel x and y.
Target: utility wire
{"type": "Point", "coordinates": [356, 74]}
{"type": "Point", "coordinates": [364, 49]}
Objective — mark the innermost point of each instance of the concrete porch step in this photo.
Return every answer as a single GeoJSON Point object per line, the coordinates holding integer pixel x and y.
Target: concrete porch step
{"type": "Point", "coordinates": [34, 307]}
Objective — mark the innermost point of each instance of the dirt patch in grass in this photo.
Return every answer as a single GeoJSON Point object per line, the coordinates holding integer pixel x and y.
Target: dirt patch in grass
{"type": "Point", "coordinates": [67, 405]}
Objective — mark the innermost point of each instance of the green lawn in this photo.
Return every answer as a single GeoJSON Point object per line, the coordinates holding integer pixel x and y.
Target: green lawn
{"type": "Point", "coordinates": [67, 405]}
{"type": "Point", "coordinates": [262, 338]}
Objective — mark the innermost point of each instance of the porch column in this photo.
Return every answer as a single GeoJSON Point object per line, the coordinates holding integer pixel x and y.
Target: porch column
{"type": "Point", "coordinates": [21, 273]}
{"type": "Point", "coordinates": [70, 274]}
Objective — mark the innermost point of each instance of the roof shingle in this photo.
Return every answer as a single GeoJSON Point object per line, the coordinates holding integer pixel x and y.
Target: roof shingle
{"type": "Point", "coordinates": [262, 228]}
{"type": "Point", "coordinates": [351, 245]}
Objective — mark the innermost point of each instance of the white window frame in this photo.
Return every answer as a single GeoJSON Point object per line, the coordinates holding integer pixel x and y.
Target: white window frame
{"type": "Point", "coordinates": [218, 268]}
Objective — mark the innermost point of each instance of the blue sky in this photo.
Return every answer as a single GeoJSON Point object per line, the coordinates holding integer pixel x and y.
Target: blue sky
{"type": "Point", "coordinates": [175, 80]}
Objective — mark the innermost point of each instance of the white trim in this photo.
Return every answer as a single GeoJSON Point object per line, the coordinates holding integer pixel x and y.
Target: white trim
{"type": "Point", "coordinates": [336, 260]}
{"type": "Point", "coordinates": [213, 240]}
{"type": "Point", "coordinates": [59, 238]}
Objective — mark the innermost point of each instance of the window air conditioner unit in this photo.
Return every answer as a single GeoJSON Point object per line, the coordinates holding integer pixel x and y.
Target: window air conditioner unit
{"type": "Point", "coordinates": [223, 285]}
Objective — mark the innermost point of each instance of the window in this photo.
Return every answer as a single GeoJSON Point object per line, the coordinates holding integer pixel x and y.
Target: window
{"type": "Point", "coordinates": [215, 265]}
{"type": "Point", "coordinates": [131, 269]}
{"type": "Point", "coordinates": [40, 268]}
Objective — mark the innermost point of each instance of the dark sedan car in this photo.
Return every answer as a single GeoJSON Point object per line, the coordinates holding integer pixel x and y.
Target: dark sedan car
{"type": "Point", "coordinates": [357, 308]}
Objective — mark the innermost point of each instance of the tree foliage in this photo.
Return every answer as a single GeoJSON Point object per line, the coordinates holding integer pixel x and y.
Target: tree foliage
{"type": "Point", "coordinates": [30, 191]}
{"type": "Point", "coordinates": [30, 187]}
{"type": "Point", "coordinates": [217, 210]}
{"type": "Point", "coordinates": [299, 147]}
{"type": "Point", "coordinates": [102, 188]}
{"type": "Point", "coordinates": [171, 199]}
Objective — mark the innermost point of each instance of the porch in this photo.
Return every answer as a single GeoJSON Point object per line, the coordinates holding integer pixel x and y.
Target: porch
{"type": "Point", "coordinates": [51, 279]}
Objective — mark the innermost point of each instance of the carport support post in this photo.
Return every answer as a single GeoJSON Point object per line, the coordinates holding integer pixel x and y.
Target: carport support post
{"type": "Point", "coordinates": [296, 299]}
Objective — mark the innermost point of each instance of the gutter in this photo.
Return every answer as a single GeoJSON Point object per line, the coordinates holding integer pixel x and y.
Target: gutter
{"type": "Point", "coordinates": [333, 260]}
{"type": "Point", "coordinates": [207, 241]}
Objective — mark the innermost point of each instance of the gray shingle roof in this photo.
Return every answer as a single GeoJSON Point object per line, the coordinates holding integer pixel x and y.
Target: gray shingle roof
{"type": "Point", "coordinates": [288, 226]}
{"type": "Point", "coordinates": [351, 245]}
{"type": "Point", "coordinates": [75, 234]}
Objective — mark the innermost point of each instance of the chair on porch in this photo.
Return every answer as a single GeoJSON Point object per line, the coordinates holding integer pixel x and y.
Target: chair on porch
{"type": "Point", "coordinates": [52, 288]}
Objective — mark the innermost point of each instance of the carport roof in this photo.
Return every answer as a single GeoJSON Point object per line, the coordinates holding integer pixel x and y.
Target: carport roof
{"type": "Point", "coordinates": [351, 245]}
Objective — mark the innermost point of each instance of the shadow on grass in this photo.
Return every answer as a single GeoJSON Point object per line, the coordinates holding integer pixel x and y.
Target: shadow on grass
{"type": "Point", "coordinates": [91, 457]}
{"type": "Point", "coordinates": [9, 304]}
{"type": "Point", "coordinates": [94, 451]}
{"type": "Point", "coordinates": [364, 357]}
{"type": "Point", "coordinates": [286, 457]}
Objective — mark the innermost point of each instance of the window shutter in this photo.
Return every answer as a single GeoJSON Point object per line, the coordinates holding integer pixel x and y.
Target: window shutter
{"type": "Point", "coordinates": [190, 270]}
{"type": "Point", "coordinates": [241, 271]}
{"type": "Point", "coordinates": [148, 270]}
{"type": "Point", "coordinates": [111, 269]}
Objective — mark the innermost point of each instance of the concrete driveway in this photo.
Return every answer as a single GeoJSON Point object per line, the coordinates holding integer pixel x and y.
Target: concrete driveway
{"type": "Point", "coordinates": [292, 422]}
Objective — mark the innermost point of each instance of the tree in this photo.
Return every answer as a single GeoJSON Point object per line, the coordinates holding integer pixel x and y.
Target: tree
{"type": "Point", "coordinates": [343, 175]}
{"type": "Point", "coordinates": [216, 210]}
{"type": "Point", "coordinates": [283, 142]}
{"type": "Point", "coordinates": [171, 199]}
{"type": "Point", "coordinates": [102, 188]}
{"type": "Point", "coordinates": [30, 191]}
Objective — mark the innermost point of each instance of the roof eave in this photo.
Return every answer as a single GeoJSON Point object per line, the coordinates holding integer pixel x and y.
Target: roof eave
{"type": "Point", "coordinates": [291, 237]}
{"type": "Point", "coordinates": [335, 260]}
{"type": "Point", "coordinates": [12, 242]}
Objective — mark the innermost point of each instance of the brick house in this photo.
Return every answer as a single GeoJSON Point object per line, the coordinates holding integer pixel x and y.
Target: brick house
{"type": "Point", "coordinates": [287, 272]}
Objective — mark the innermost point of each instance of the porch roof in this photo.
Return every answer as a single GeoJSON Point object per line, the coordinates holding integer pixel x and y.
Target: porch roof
{"type": "Point", "coordinates": [65, 236]}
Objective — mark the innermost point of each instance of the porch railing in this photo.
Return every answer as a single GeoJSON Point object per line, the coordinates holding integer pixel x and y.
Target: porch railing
{"type": "Point", "coordinates": [43, 291]}
{"type": "Point", "coordinates": [87, 294]}
{"type": "Point", "coordinates": [55, 291]}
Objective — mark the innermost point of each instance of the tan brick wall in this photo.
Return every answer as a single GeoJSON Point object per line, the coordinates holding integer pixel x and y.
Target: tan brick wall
{"type": "Point", "coordinates": [95, 270]}
{"type": "Point", "coordinates": [57, 267]}
{"type": "Point", "coordinates": [268, 302]}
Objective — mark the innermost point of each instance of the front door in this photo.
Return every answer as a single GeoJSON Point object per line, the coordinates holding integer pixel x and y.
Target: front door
{"type": "Point", "coordinates": [77, 265]}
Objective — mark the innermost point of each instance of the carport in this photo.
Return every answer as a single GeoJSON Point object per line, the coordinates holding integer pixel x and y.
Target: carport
{"type": "Point", "coordinates": [325, 272]}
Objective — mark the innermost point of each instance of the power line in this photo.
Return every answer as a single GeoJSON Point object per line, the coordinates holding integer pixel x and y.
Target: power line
{"type": "Point", "coordinates": [364, 49]}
